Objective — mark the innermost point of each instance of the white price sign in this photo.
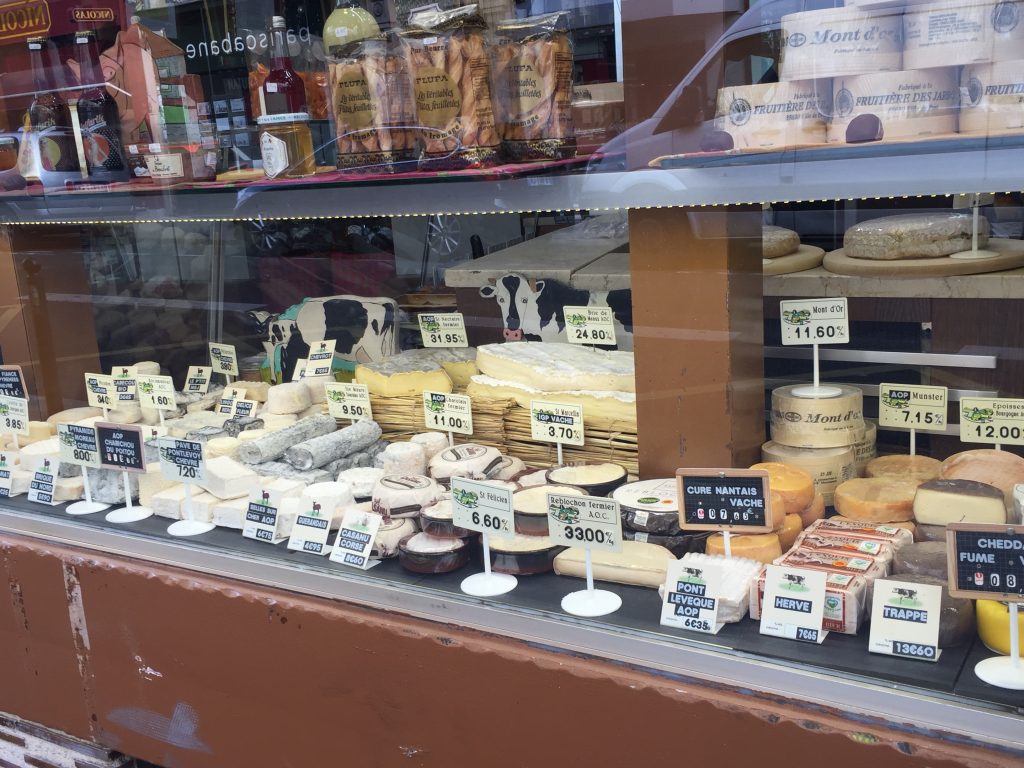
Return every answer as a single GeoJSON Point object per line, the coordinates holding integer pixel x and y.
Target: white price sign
{"type": "Point", "coordinates": [321, 359]}
{"type": "Point", "coordinates": [910, 406]}
{"type": "Point", "coordinates": [44, 481]}
{"type": "Point", "coordinates": [198, 379]}
{"type": "Point", "coordinates": [794, 604]}
{"type": "Point", "coordinates": [226, 406]}
{"type": "Point", "coordinates": [905, 619]}
{"type": "Point", "coordinates": [6, 467]}
{"type": "Point", "coordinates": [355, 539]}
{"type": "Point", "coordinates": [99, 390]}
{"type": "Point", "coordinates": [223, 359]}
{"type": "Point", "coordinates": [448, 412]}
{"type": "Point", "coordinates": [691, 597]}
{"type": "Point", "coordinates": [14, 415]}
{"type": "Point", "coordinates": [443, 330]}
{"type": "Point", "coordinates": [996, 421]}
{"type": "Point", "coordinates": [182, 460]}
{"type": "Point", "coordinates": [589, 325]}
{"type": "Point", "coordinates": [584, 521]}
{"type": "Point", "coordinates": [556, 422]}
{"type": "Point", "coordinates": [125, 384]}
{"type": "Point", "coordinates": [311, 528]}
{"type": "Point", "coordinates": [480, 506]}
{"type": "Point", "coordinates": [243, 407]}
{"type": "Point", "coordinates": [348, 401]}
{"type": "Point", "coordinates": [78, 445]}
{"type": "Point", "coordinates": [157, 392]}
{"type": "Point", "coordinates": [814, 321]}
{"type": "Point", "coordinates": [261, 518]}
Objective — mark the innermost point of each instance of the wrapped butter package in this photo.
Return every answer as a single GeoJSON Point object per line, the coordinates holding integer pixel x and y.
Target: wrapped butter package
{"type": "Point", "coordinates": [843, 613]}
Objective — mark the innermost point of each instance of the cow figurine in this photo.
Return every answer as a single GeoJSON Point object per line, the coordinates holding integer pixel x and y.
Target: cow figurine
{"type": "Point", "coordinates": [364, 331]}
{"type": "Point", "coordinates": [534, 310]}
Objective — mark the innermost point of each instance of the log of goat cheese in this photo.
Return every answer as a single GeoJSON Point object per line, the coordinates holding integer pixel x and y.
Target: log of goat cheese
{"type": "Point", "coordinates": [324, 449]}
{"type": "Point", "coordinates": [275, 444]}
{"type": "Point", "coordinates": [913, 236]}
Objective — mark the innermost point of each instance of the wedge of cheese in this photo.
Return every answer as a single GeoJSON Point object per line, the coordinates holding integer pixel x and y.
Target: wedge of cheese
{"type": "Point", "coordinates": [596, 405]}
{"type": "Point", "coordinates": [558, 367]}
{"type": "Point", "coordinates": [940, 502]}
{"type": "Point", "coordinates": [406, 375]}
{"type": "Point", "coordinates": [999, 468]}
{"type": "Point", "coordinates": [644, 565]}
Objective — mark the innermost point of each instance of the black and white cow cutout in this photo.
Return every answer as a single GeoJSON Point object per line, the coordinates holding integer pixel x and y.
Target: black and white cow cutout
{"type": "Point", "coordinates": [534, 310]}
{"type": "Point", "coordinates": [363, 329]}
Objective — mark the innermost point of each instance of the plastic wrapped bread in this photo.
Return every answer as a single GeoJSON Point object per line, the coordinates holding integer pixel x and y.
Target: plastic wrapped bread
{"type": "Point", "coordinates": [274, 445]}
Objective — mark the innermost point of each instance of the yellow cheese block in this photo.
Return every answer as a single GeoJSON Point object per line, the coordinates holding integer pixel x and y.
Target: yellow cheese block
{"type": "Point", "coordinates": [788, 531]}
{"type": "Point", "coordinates": [814, 511]}
{"type": "Point", "coordinates": [402, 383]}
{"type": "Point", "coordinates": [763, 547]}
{"type": "Point", "coordinates": [994, 626]}
{"type": "Point", "coordinates": [876, 499]}
{"type": "Point", "coordinates": [794, 485]}
{"type": "Point", "coordinates": [920, 468]}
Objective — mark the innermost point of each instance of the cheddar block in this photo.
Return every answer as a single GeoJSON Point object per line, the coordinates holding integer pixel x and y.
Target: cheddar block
{"type": "Point", "coordinates": [940, 502]}
{"type": "Point", "coordinates": [919, 468]}
{"type": "Point", "coordinates": [794, 485]}
{"type": "Point", "coordinates": [876, 499]}
{"type": "Point", "coordinates": [763, 547]}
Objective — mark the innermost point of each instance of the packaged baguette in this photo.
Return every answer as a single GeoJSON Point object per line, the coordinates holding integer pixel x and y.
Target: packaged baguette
{"type": "Point", "coordinates": [533, 72]}
{"type": "Point", "coordinates": [372, 99]}
{"type": "Point", "coordinates": [451, 70]}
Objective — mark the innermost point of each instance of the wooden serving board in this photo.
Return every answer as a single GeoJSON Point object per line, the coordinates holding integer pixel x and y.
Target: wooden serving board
{"type": "Point", "coordinates": [805, 257]}
{"type": "Point", "coordinates": [1011, 256]}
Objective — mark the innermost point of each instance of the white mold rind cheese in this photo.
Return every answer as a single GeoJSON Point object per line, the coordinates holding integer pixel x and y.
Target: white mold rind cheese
{"type": "Point", "coordinates": [770, 115]}
{"type": "Point", "coordinates": [558, 367]}
{"type": "Point", "coordinates": [840, 41]}
{"type": "Point", "coordinates": [992, 97]}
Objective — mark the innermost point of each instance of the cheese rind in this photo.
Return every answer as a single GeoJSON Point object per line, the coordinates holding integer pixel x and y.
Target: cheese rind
{"type": "Point", "coordinates": [778, 241]}
{"type": "Point", "coordinates": [999, 468]}
{"type": "Point", "coordinates": [558, 367]}
{"type": "Point", "coordinates": [918, 468]}
{"type": "Point", "coordinates": [596, 405]}
{"type": "Point", "coordinates": [817, 422]}
{"type": "Point", "coordinates": [788, 532]}
{"type": "Point", "coordinates": [940, 502]}
{"type": "Point", "coordinates": [407, 374]}
{"type": "Point", "coordinates": [794, 486]}
{"type": "Point", "coordinates": [762, 547]}
{"type": "Point", "coordinates": [814, 511]}
{"type": "Point", "coordinates": [876, 499]}
{"type": "Point", "coordinates": [644, 565]}
{"type": "Point", "coordinates": [292, 397]}
{"type": "Point", "coordinates": [913, 236]}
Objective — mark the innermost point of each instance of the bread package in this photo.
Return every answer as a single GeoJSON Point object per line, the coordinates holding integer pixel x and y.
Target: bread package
{"type": "Point", "coordinates": [533, 88]}
{"type": "Point", "coordinates": [451, 71]}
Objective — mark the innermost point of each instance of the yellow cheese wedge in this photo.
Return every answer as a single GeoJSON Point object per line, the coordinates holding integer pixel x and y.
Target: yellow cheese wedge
{"type": "Point", "coordinates": [460, 371]}
{"type": "Point", "coordinates": [763, 547]}
{"type": "Point", "coordinates": [814, 511]}
{"type": "Point", "coordinates": [794, 485]}
{"type": "Point", "coordinates": [920, 468]}
{"type": "Point", "coordinates": [876, 499]}
{"type": "Point", "coordinates": [994, 626]}
{"type": "Point", "coordinates": [392, 382]}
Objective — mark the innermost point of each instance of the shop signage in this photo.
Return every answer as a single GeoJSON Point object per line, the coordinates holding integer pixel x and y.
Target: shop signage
{"type": "Point", "coordinates": [12, 382]}
{"type": "Point", "coordinates": [321, 359]}
{"type": "Point", "coordinates": [156, 392]}
{"type": "Point", "coordinates": [261, 518]}
{"type": "Point", "coordinates": [556, 422]}
{"type": "Point", "coordinates": [584, 521]}
{"type": "Point", "coordinates": [724, 500]}
{"type": "Point", "coordinates": [448, 412]}
{"type": "Point", "coordinates": [311, 528]}
{"type": "Point", "coordinates": [814, 321]}
{"type": "Point", "coordinates": [481, 506]}
{"type": "Point", "coordinates": [349, 401]}
{"type": "Point", "coordinates": [182, 460]}
{"type": "Point", "coordinates": [590, 325]}
{"type": "Point", "coordinates": [99, 390]}
{"type": "Point", "coordinates": [355, 539]}
{"type": "Point", "coordinates": [14, 415]}
{"type": "Point", "coordinates": [198, 379]}
{"type": "Point", "coordinates": [905, 619]}
{"type": "Point", "coordinates": [691, 597]}
{"type": "Point", "coordinates": [24, 18]}
{"type": "Point", "coordinates": [912, 406]}
{"type": "Point", "coordinates": [121, 447]}
{"type": "Point", "coordinates": [44, 480]}
{"type": "Point", "coordinates": [223, 359]}
{"type": "Point", "coordinates": [794, 604]}
{"type": "Point", "coordinates": [986, 560]}
{"type": "Point", "coordinates": [78, 445]}
{"type": "Point", "coordinates": [443, 330]}
{"type": "Point", "coordinates": [996, 421]}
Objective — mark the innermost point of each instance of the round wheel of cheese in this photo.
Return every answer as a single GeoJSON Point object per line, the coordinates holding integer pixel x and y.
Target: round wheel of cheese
{"type": "Point", "coordinates": [788, 531]}
{"type": "Point", "coordinates": [778, 241]}
{"type": "Point", "coordinates": [920, 468]}
{"type": "Point", "coordinates": [999, 468]}
{"type": "Point", "coordinates": [763, 547]}
{"type": "Point", "coordinates": [994, 626]}
{"type": "Point", "coordinates": [876, 499]}
{"type": "Point", "coordinates": [814, 511]}
{"type": "Point", "coordinates": [795, 486]}
{"type": "Point", "coordinates": [828, 467]}
{"type": "Point", "coordinates": [925, 558]}
{"type": "Point", "coordinates": [817, 422]}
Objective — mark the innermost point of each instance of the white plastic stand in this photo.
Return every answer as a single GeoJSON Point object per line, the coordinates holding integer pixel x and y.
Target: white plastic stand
{"type": "Point", "coordinates": [560, 462]}
{"type": "Point", "coordinates": [189, 527]}
{"type": "Point", "coordinates": [974, 253]}
{"type": "Point", "coordinates": [128, 513]}
{"type": "Point", "coordinates": [913, 441]}
{"type": "Point", "coordinates": [87, 507]}
{"type": "Point", "coordinates": [816, 390]}
{"type": "Point", "coordinates": [727, 541]}
{"type": "Point", "coordinates": [1005, 671]}
{"type": "Point", "coordinates": [591, 602]}
{"type": "Point", "coordinates": [451, 439]}
{"type": "Point", "coordinates": [488, 584]}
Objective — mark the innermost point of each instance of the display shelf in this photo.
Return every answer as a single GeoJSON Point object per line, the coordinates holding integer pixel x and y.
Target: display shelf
{"type": "Point", "coordinates": [839, 673]}
{"type": "Point", "coordinates": [819, 283]}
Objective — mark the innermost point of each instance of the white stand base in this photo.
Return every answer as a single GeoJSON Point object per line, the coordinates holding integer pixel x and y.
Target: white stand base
{"type": "Point", "coordinates": [130, 514]}
{"type": "Point", "coordinates": [591, 602]}
{"type": "Point", "coordinates": [86, 508]}
{"type": "Point", "coordinates": [973, 255]}
{"type": "Point", "coordinates": [190, 528]}
{"type": "Point", "coordinates": [489, 584]}
{"type": "Point", "coordinates": [1002, 672]}
{"type": "Point", "coordinates": [819, 392]}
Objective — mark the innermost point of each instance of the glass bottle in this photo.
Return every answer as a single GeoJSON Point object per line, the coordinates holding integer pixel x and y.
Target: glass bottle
{"type": "Point", "coordinates": [283, 92]}
{"type": "Point", "coordinates": [98, 115]}
{"type": "Point", "coordinates": [49, 116]}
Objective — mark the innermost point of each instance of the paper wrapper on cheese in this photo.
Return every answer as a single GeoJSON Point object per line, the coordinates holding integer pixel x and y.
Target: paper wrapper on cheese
{"type": "Point", "coordinates": [955, 32]}
{"type": "Point", "coordinates": [533, 73]}
{"type": "Point", "coordinates": [644, 565]}
{"type": "Point", "coordinates": [480, 462]}
{"type": "Point", "coordinates": [846, 544]}
{"type": "Point", "coordinates": [894, 105]}
{"type": "Point", "coordinates": [775, 115]}
{"type": "Point", "coordinates": [865, 566]}
{"type": "Point", "coordinates": [275, 444]}
{"type": "Point", "coordinates": [824, 422]}
{"type": "Point", "coordinates": [897, 537]}
{"type": "Point", "coordinates": [992, 97]}
{"type": "Point", "coordinates": [842, 614]}
{"type": "Point", "coordinates": [840, 41]}
{"type": "Point", "coordinates": [319, 451]}
{"type": "Point", "coordinates": [451, 71]}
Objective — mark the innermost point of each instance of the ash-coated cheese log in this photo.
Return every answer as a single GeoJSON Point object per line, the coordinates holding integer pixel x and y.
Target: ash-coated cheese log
{"type": "Point", "coordinates": [322, 450]}
{"type": "Point", "coordinates": [282, 469]}
{"type": "Point", "coordinates": [275, 444]}
{"type": "Point", "coordinates": [239, 424]}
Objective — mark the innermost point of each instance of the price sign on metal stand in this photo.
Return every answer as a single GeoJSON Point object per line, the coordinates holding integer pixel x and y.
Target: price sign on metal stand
{"type": "Point", "coordinates": [443, 330]}
{"type": "Point", "coordinates": [590, 325]}
{"type": "Point", "coordinates": [559, 423]}
{"type": "Point", "coordinates": [591, 523]}
{"type": "Point", "coordinates": [997, 421]}
{"type": "Point", "coordinates": [913, 407]}
{"type": "Point", "coordinates": [794, 604]}
{"type": "Point", "coordinates": [354, 543]}
{"type": "Point", "coordinates": [815, 322]}
{"type": "Point", "coordinates": [125, 384]}
{"type": "Point", "coordinates": [99, 390]}
{"type": "Point", "coordinates": [487, 508]}
{"type": "Point", "coordinates": [349, 401]}
{"type": "Point", "coordinates": [905, 619]}
{"type": "Point", "coordinates": [12, 382]}
{"type": "Point", "coordinates": [198, 379]}
{"type": "Point", "coordinates": [224, 360]}
{"type": "Point", "coordinates": [448, 413]}
{"type": "Point", "coordinates": [691, 597]}
{"type": "Point", "coordinates": [262, 518]}
{"type": "Point", "coordinates": [156, 392]}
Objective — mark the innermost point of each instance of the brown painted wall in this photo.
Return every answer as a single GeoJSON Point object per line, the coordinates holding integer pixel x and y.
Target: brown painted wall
{"type": "Point", "coordinates": [188, 670]}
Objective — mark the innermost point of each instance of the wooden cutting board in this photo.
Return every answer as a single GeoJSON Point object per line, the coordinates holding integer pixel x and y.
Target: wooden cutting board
{"type": "Point", "coordinates": [805, 257]}
{"type": "Point", "coordinates": [1011, 256]}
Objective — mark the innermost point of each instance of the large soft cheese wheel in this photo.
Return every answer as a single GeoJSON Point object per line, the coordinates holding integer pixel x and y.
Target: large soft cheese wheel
{"type": "Point", "coordinates": [940, 502]}
{"type": "Point", "coordinates": [817, 422]}
{"type": "Point", "coordinates": [598, 407]}
{"type": "Point", "coordinates": [906, 525]}
{"type": "Point", "coordinates": [999, 468]}
{"type": "Point", "coordinates": [994, 626]}
{"type": "Point", "coordinates": [558, 367]}
{"type": "Point", "coordinates": [913, 236]}
{"type": "Point", "coordinates": [954, 32]}
{"type": "Point", "coordinates": [876, 499]}
{"type": "Point", "coordinates": [993, 98]}
{"type": "Point", "coordinates": [404, 375]}
{"type": "Point", "coordinates": [920, 468]}
{"type": "Point", "coordinates": [71, 415]}
{"type": "Point", "coordinates": [865, 449]}
{"type": "Point", "coordinates": [814, 511]}
{"type": "Point", "coordinates": [788, 532]}
{"type": "Point", "coordinates": [770, 115]}
{"type": "Point", "coordinates": [828, 42]}
{"type": "Point", "coordinates": [777, 241]}
{"type": "Point", "coordinates": [763, 547]}
{"type": "Point", "coordinates": [795, 486]}
{"type": "Point", "coordinates": [828, 467]}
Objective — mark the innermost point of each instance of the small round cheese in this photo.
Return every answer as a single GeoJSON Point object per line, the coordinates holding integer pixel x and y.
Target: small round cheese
{"type": "Point", "coordinates": [433, 442]}
{"type": "Point", "coordinates": [423, 543]}
{"type": "Point", "coordinates": [650, 506]}
{"type": "Point", "coordinates": [292, 397]}
{"type": "Point", "coordinates": [361, 479]}
{"type": "Point", "coordinates": [926, 558]}
{"type": "Point", "coordinates": [795, 486]}
{"type": "Point", "coordinates": [330, 496]}
{"type": "Point", "coordinates": [467, 460]}
{"type": "Point", "coordinates": [390, 533]}
{"type": "Point", "coordinates": [764, 547]}
{"type": "Point", "coordinates": [919, 468]}
{"type": "Point", "coordinates": [404, 459]}
{"type": "Point", "coordinates": [250, 434]}
{"type": "Point", "coordinates": [778, 241]}
{"type": "Point", "coordinates": [586, 474]}
{"type": "Point", "coordinates": [876, 499]}
{"type": "Point", "coordinates": [222, 446]}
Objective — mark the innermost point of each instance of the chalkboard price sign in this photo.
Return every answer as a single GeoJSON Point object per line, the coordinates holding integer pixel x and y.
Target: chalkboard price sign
{"type": "Point", "coordinates": [986, 560]}
{"type": "Point", "coordinates": [12, 382]}
{"type": "Point", "coordinates": [724, 500]}
{"type": "Point", "coordinates": [121, 447]}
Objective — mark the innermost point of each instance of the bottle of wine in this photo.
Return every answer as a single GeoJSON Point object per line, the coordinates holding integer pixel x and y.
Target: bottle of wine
{"type": "Point", "coordinates": [283, 91]}
{"type": "Point", "coordinates": [49, 116]}
{"type": "Point", "coordinates": [98, 117]}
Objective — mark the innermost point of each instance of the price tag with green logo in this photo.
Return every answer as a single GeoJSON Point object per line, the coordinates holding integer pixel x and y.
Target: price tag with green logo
{"type": "Point", "coordinates": [556, 422]}
{"type": "Point", "coordinates": [480, 506]}
{"type": "Point", "coordinates": [814, 321]}
{"type": "Point", "coordinates": [182, 460]}
{"type": "Point", "coordinates": [78, 445]}
{"type": "Point", "coordinates": [156, 392]}
{"type": "Point", "coordinates": [584, 521]}
{"type": "Point", "coordinates": [348, 401]}
{"type": "Point", "coordinates": [99, 390]}
{"type": "Point", "coordinates": [448, 412]}
{"type": "Point", "coordinates": [912, 406]}
{"type": "Point", "coordinates": [223, 359]}
{"type": "Point", "coordinates": [996, 421]}
{"type": "Point", "coordinates": [589, 325]}
{"type": "Point", "coordinates": [44, 482]}
{"type": "Point", "coordinates": [443, 330]}
{"type": "Point", "coordinates": [14, 415]}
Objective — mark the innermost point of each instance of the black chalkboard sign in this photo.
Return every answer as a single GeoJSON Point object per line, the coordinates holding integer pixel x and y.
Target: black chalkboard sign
{"type": "Point", "coordinates": [12, 382]}
{"type": "Point", "coordinates": [986, 560]}
{"type": "Point", "coordinates": [724, 500]}
{"type": "Point", "coordinates": [121, 447]}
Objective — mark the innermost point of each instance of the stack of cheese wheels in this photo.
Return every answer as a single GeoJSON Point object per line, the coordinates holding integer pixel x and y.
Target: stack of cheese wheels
{"type": "Point", "coordinates": [834, 42]}
{"type": "Point", "coordinates": [992, 97]}
{"type": "Point", "coordinates": [959, 32]}
{"type": "Point", "coordinates": [774, 115]}
{"type": "Point", "coordinates": [876, 499]}
{"type": "Point", "coordinates": [865, 450]}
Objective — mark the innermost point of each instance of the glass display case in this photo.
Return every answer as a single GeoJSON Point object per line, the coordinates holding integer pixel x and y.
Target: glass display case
{"type": "Point", "coordinates": [285, 287]}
